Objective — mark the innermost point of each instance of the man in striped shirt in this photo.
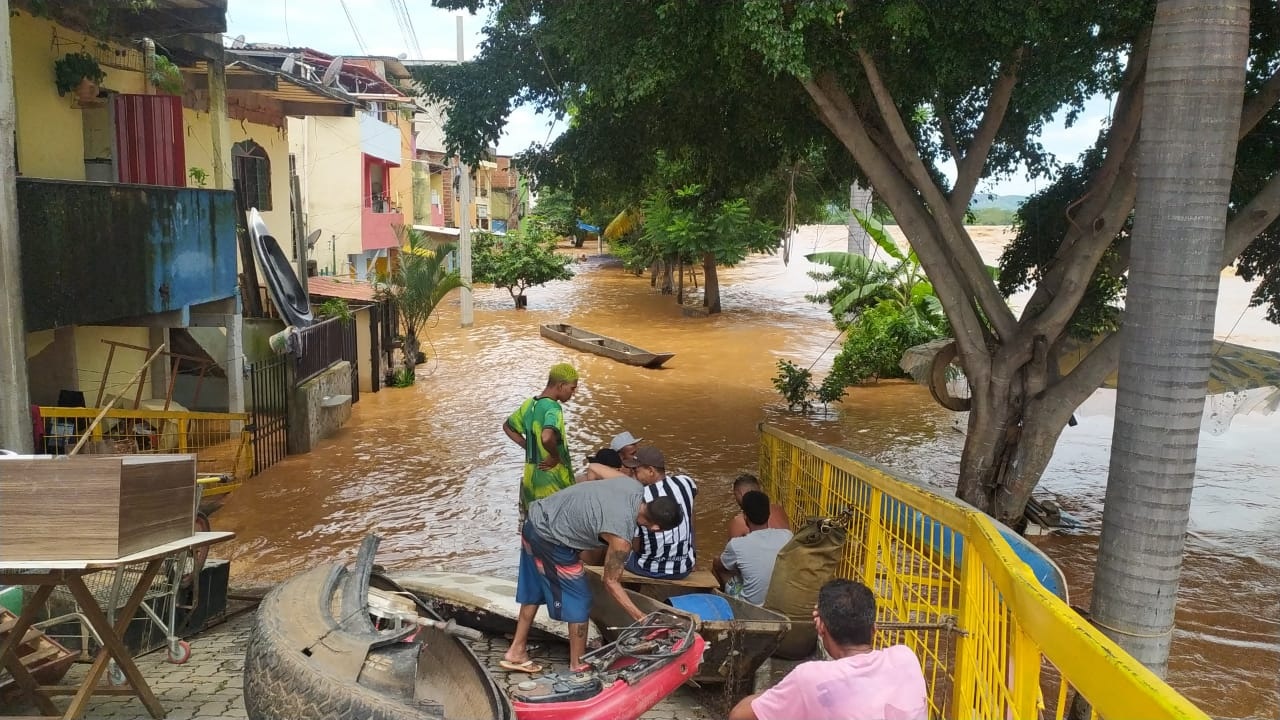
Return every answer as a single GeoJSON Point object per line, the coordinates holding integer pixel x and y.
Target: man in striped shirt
{"type": "Point", "coordinates": [667, 553]}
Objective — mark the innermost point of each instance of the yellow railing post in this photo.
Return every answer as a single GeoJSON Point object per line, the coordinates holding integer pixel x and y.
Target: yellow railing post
{"type": "Point", "coordinates": [969, 623]}
{"type": "Point", "coordinates": [183, 425]}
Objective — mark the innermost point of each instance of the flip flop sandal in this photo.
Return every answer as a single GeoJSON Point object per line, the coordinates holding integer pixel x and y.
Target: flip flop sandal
{"type": "Point", "coordinates": [528, 666]}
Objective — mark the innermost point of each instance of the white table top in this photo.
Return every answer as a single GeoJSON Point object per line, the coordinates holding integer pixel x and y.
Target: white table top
{"type": "Point", "coordinates": [199, 539]}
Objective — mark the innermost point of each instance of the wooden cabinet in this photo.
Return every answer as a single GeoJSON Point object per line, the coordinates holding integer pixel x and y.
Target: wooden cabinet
{"type": "Point", "coordinates": [94, 507]}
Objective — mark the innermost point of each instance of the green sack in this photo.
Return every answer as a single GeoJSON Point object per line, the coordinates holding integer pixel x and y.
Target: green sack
{"type": "Point", "coordinates": [804, 565]}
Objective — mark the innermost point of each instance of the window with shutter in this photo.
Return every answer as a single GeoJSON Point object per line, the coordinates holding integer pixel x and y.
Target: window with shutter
{"type": "Point", "coordinates": [251, 168]}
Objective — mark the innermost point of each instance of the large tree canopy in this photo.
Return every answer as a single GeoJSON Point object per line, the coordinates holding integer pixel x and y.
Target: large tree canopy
{"type": "Point", "coordinates": [904, 88]}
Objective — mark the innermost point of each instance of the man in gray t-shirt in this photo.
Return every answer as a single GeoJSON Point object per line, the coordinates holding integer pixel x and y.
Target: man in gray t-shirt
{"type": "Point", "coordinates": [580, 517]}
{"type": "Point", "coordinates": [747, 562]}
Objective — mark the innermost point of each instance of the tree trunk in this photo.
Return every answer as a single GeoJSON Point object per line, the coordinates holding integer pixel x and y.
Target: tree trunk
{"type": "Point", "coordinates": [1194, 90]}
{"type": "Point", "coordinates": [680, 284]}
{"type": "Point", "coordinates": [654, 267]}
{"type": "Point", "coordinates": [410, 349]}
{"type": "Point", "coordinates": [710, 284]}
{"type": "Point", "coordinates": [668, 282]}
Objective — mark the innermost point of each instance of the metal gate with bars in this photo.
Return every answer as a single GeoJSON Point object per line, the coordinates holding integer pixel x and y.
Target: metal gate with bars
{"type": "Point", "coordinates": [269, 411]}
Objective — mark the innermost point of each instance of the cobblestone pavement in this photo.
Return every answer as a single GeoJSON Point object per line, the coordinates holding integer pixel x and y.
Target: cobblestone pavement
{"type": "Point", "coordinates": [208, 687]}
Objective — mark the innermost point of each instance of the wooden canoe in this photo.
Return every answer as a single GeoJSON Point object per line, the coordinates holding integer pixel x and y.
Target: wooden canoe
{"type": "Point", "coordinates": [580, 339]}
{"type": "Point", "coordinates": [735, 648]}
{"type": "Point", "coordinates": [482, 602]}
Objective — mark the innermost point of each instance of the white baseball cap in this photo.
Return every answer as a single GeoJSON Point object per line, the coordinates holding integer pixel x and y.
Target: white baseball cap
{"type": "Point", "coordinates": [623, 439]}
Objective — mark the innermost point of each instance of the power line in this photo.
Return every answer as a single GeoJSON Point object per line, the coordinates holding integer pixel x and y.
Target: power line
{"type": "Point", "coordinates": [354, 30]}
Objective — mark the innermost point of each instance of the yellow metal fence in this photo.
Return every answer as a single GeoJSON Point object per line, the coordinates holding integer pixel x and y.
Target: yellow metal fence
{"type": "Point", "coordinates": [221, 444]}
{"type": "Point", "coordinates": [993, 642]}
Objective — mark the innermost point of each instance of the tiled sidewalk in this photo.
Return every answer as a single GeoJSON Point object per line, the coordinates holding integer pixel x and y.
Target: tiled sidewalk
{"type": "Point", "coordinates": [208, 687]}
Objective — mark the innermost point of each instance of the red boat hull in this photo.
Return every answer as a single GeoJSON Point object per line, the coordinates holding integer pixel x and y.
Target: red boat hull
{"type": "Point", "coordinates": [621, 701]}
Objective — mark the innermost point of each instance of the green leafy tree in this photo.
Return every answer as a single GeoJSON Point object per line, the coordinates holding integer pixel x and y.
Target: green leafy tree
{"type": "Point", "coordinates": [518, 260]}
{"type": "Point", "coordinates": [687, 226]}
{"type": "Point", "coordinates": [556, 211]}
{"type": "Point", "coordinates": [418, 281]}
{"type": "Point", "coordinates": [900, 89]}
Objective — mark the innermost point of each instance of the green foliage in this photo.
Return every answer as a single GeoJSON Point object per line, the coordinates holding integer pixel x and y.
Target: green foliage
{"type": "Point", "coordinates": [884, 307]}
{"type": "Point", "coordinates": [71, 68]}
{"type": "Point", "coordinates": [875, 344]}
{"type": "Point", "coordinates": [795, 385]}
{"type": "Point", "coordinates": [863, 283]}
{"type": "Point", "coordinates": [519, 260]}
{"type": "Point", "coordinates": [198, 176]}
{"type": "Point", "coordinates": [403, 378]}
{"type": "Point", "coordinates": [556, 211]}
{"type": "Point", "coordinates": [688, 223]}
{"type": "Point", "coordinates": [166, 76]}
{"type": "Point", "coordinates": [1041, 224]}
{"type": "Point", "coordinates": [334, 308]}
{"type": "Point", "coordinates": [417, 283]}
{"type": "Point", "coordinates": [100, 18]}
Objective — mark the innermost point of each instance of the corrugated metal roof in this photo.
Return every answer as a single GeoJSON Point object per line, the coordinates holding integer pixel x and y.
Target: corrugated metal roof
{"type": "Point", "coordinates": [335, 287]}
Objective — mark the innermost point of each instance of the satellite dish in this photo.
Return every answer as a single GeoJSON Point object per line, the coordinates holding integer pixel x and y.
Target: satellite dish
{"type": "Point", "coordinates": [312, 238]}
{"type": "Point", "coordinates": [287, 65]}
{"type": "Point", "coordinates": [238, 42]}
{"type": "Point", "coordinates": [331, 74]}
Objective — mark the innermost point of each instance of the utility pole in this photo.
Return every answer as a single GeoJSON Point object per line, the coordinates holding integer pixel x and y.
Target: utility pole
{"type": "Point", "coordinates": [464, 227]}
{"type": "Point", "coordinates": [860, 200]}
{"type": "Point", "coordinates": [15, 401]}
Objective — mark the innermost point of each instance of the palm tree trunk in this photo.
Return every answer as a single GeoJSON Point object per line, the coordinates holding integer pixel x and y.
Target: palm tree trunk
{"type": "Point", "coordinates": [1194, 89]}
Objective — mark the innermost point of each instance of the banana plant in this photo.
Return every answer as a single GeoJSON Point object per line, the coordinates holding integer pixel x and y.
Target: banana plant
{"type": "Point", "coordinates": [864, 282]}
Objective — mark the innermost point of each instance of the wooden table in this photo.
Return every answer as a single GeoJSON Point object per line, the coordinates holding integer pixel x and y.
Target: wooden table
{"type": "Point", "coordinates": [49, 574]}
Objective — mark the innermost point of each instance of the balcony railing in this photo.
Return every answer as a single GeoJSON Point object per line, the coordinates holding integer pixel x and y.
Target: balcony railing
{"type": "Point", "coordinates": [98, 252]}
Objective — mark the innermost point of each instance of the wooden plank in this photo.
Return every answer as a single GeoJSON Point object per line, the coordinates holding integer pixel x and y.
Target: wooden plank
{"type": "Point", "coordinates": [59, 509]}
{"type": "Point", "coordinates": [702, 579]}
{"type": "Point", "coordinates": [157, 500]}
{"type": "Point", "coordinates": [75, 566]}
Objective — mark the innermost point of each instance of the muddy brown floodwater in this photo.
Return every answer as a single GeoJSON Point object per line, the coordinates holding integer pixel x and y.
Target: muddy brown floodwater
{"type": "Point", "coordinates": [429, 468]}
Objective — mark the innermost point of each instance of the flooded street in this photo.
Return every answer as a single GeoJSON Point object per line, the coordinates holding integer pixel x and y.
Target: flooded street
{"type": "Point", "coordinates": [430, 469]}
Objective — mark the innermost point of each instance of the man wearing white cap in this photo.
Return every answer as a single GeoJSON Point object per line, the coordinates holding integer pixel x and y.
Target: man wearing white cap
{"type": "Point", "coordinates": [625, 444]}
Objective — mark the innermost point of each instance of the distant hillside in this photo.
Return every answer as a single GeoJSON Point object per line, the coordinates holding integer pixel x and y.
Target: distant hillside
{"type": "Point", "coordinates": [995, 209]}
{"type": "Point", "coordinates": [1000, 202]}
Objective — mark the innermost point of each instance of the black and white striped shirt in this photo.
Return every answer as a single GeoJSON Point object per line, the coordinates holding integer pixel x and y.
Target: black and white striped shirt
{"type": "Point", "coordinates": [669, 552]}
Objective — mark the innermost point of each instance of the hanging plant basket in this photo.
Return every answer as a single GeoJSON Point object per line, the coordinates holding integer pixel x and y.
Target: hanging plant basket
{"type": "Point", "coordinates": [78, 73]}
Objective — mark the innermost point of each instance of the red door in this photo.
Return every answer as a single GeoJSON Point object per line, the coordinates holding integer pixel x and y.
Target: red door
{"type": "Point", "coordinates": [149, 147]}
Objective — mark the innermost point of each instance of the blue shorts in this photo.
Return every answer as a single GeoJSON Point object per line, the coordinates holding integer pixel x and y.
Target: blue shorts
{"type": "Point", "coordinates": [552, 575]}
{"type": "Point", "coordinates": [634, 567]}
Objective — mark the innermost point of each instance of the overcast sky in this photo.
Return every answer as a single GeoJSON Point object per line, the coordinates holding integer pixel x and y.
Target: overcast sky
{"type": "Point", "coordinates": [323, 25]}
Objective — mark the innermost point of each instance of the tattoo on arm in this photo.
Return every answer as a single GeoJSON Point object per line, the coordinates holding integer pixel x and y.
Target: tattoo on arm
{"type": "Point", "coordinates": [614, 562]}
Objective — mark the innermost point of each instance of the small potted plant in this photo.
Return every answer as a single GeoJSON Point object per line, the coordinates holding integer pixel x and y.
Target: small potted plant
{"type": "Point", "coordinates": [78, 73]}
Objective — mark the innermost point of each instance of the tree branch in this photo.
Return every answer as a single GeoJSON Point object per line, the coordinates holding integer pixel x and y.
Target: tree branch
{"type": "Point", "coordinates": [1112, 191]}
{"type": "Point", "coordinates": [837, 111]}
{"type": "Point", "coordinates": [948, 132]}
{"type": "Point", "coordinates": [969, 168]}
{"type": "Point", "coordinates": [1252, 219]}
{"type": "Point", "coordinates": [972, 269]}
{"type": "Point", "coordinates": [1257, 107]}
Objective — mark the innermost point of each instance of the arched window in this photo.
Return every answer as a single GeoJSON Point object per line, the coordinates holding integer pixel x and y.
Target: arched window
{"type": "Point", "coordinates": [251, 167]}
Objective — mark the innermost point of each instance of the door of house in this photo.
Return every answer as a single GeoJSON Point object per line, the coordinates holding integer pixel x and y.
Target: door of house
{"type": "Point", "coordinates": [149, 139]}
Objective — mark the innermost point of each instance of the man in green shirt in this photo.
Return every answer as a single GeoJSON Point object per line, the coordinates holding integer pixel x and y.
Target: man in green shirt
{"type": "Point", "coordinates": [538, 427]}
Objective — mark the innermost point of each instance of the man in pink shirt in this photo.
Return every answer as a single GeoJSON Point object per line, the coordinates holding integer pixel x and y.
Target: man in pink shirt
{"type": "Point", "coordinates": [858, 683]}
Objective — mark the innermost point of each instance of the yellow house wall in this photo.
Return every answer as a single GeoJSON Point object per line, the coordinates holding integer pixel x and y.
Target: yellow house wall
{"type": "Point", "coordinates": [91, 360]}
{"type": "Point", "coordinates": [329, 166]}
{"type": "Point", "coordinates": [274, 140]}
{"type": "Point", "coordinates": [363, 345]}
{"type": "Point", "coordinates": [50, 129]}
